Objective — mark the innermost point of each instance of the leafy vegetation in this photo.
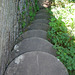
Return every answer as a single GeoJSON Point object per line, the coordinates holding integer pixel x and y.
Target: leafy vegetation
{"type": "Point", "coordinates": [71, 0]}
{"type": "Point", "coordinates": [33, 10]}
{"type": "Point", "coordinates": [62, 34]}
{"type": "Point", "coordinates": [31, 13]}
{"type": "Point", "coordinates": [36, 5]}
{"type": "Point", "coordinates": [26, 2]}
{"type": "Point", "coordinates": [22, 21]}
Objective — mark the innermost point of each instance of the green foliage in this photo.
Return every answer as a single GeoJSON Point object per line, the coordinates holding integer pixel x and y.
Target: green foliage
{"type": "Point", "coordinates": [23, 6]}
{"type": "Point", "coordinates": [18, 8]}
{"type": "Point", "coordinates": [31, 13]}
{"type": "Point", "coordinates": [26, 2]}
{"type": "Point", "coordinates": [22, 18]}
{"type": "Point", "coordinates": [23, 24]}
{"type": "Point", "coordinates": [21, 33]}
{"type": "Point", "coordinates": [62, 38]}
{"type": "Point", "coordinates": [33, 10]}
{"type": "Point", "coordinates": [71, 0]}
{"type": "Point", "coordinates": [36, 5]}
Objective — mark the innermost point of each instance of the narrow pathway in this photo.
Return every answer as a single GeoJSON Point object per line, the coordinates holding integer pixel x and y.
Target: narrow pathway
{"type": "Point", "coordinates": [34, 55]}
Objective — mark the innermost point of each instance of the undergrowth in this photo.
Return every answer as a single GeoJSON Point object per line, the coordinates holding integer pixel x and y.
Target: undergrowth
{"type": "Point", "coordinates": [33, 8]}
{"type": "Point", "coordinates": [62, 34]}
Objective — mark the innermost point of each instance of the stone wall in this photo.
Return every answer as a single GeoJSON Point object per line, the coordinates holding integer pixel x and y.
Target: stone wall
{"type": "Point", "coordinates": [8, 25]}
{"type": "Point", "coordinates": [10, 28]}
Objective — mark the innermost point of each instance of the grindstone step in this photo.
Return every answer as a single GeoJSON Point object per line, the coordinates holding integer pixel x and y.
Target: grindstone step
{"type": "Point", "coordinates": [33, 33]}
{"type": "Point", "coordinates": [42, 13]}
{"type": "Point", "coordinates": [36, 63]}
{"type": "Point", "coordinates": [42, 16]}
{"type": "Point", "coordinates": [34, 55]}
{"type": "Point", "coordinates": [42, 10]}
{"type": "Point", "coordinates": [32, 44]}
{"type": "Point", "coordinates": [41, 21]}
{"type": "Point", "coordinates": [38, 26]}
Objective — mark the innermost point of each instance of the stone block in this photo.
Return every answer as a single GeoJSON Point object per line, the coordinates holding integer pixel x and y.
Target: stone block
{"type": "Point", "coordinates": [33, 33]}
{"type": "Point", "coordinates": [42, 10]}
{"type": "Point", "coordinates": [32, 44]}
{"type": "Point", "coordinates": [42, 16]}
{"type": "Point", "coordinates": [36, 63]}
{"type": "Point", "coordinates": [38, 26]}
{"type": "Point", "coordinates": [41, 21]}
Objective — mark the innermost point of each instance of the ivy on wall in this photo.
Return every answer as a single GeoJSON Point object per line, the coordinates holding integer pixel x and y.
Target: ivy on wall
{"type": "Point", "coordinates": [31, 10]}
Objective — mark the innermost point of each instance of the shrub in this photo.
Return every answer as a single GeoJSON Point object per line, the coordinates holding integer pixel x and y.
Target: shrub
{"type": "Point", "coordinates": [62, 38]}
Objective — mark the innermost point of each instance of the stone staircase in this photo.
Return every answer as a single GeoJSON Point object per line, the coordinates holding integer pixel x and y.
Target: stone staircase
{"type": "Point", "coordinates": [34, 55]}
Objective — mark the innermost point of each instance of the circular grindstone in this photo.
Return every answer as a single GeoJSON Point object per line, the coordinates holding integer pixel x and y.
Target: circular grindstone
{"type": "Point", "coordinates": [32, 44]}
{"type": "Point", "coordinates": [34, 33]}
{"type": "Point", "coordinates": [36, 63]}
{"type": "Point", "coordinates": [38, 26]}
{"type": "Point", "coordinates": [42, 10]}
{"type": "Point", "coordinates": [41, 21]}
{"type": "Point", "coordinates": [47, 14]}
{"type": "Point", "coordinates": [42, 13]}
{"type": "Point", "coordinates": [41, 7]}
{"type": "Point", "coordinates": [42, 16]}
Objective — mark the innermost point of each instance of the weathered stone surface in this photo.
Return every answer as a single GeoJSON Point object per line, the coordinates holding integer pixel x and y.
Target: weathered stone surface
{"type": "Point", "coordinates": [40, 7]}
{"type": "Point", "coordinates": [41, 21]}
{"type": "Point", "coordinates": [36, 63]}
{"type": "Point", "coordinates": [42, 10]}
{"type": "Point", "coordinates": [42, 13]}
{"type": "Point", "coordinates": [32, 44]}
{"type": "Point", "coordinates": [42, 16]}
{"type": "Point", "coordinates": [33, 33]}
{"type": "Point", "coordinates": [38, 26]}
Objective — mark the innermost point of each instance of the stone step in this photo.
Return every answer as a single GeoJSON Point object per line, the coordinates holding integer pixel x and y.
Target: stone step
{"type": "Point", "coordinates": [41, 7]}
{"type": "Point", "coordinates": [32, 44]}
{"type": "Point", "coordinates": [42, 10]}
{"type": "Point", "coordinates": [42, 16]}
{"type": "Point", "coordinates": [33, 33]}
{"type": "Point", "coordinates": [41, 21]}
{"type": "Point", "coordinates": [36, 63]}
{"type": "Point", "coordinates": [42, 13]}
{"type": "Point", "coordinates": [38, 26]}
